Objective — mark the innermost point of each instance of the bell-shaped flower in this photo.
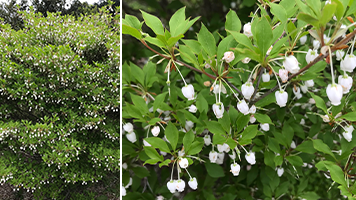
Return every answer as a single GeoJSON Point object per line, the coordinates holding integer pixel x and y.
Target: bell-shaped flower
{"type": "Point", "coordinates": [217, 87]}
{"type": "Point", "coordinates": [291, 64]}
{"type": "Point", "coordinates": [349, 63]}
{"type": "Point", "coordinates": [311, 55]}
{"type": "Point", "coordinates": [155, 131]}
{"type": "Point", "coordinates": [131, 137]}
{"type": "Point", "coordinates": [304, 88]}
{"type": "Point", "coordinates": [250, 157]}
{"type": "Point", "coordinates": [235, 169]}
{"type": "Point", "coordinates": [189, 125]}
{"type": "Point", "coordinates": [247, 30]}
{"type": "Point", "coordinates": [188, 92]}
{"type": "Point", "coordinates": [316, 44]}
{"type": "Point", "coordinates": [226, 148]}
{"type": "Point", "coordinates": [281, 97]}
{"type": "Point", "coordinates": [229, 56]}
{"type": "Point", "coordinates": [348, 133]}
{"type": "Point", "coordinates": [265, 126]}
{"type": "Point", "coordinates": [193, 183]}
{"type": "Point", "coordinates": [218, 110]}
{"type": "Point", "coordinates": [252, 109]}
{"type": "Point", "coordinates": [283, 74]}
{"type": "Point", "coordinates": [252, 119]}
{"type": "Point", "coordinates": [303, 40]}
{"type": "Point", "coordinates": [309, 83]}
{"type": "Point", "coordinates": [220, 159]}
{"type": "Point", "coordinates": [243, 107]}
{"type": "Point", "coordinates": [266, 77]}
{"type": "Point", "coordinates": [326, 39]}
{"type": "Point", "coordinates": [233, 155]}
{"type": "Point", "coordinates": [193, 108]}
{"type": "Point", "coordinates": [280, 171]}
{"type": "Point", "coordinates": [207, 140]}
{"type": "Point", "coordinates": [334, 93]}
{"type": "Point", "coordinates": [339, 54]}
{"type": "Point", "coordinates": [221, 148]}
{"type": "Point", "coordinates": [180, 185]}
{"type": "Point", "coordinates": [128, 127]}
{"type": "Point", "coordinates": [172, 185]}
{"type": "Point", "coordinates": [292, 145]}
{"type": "Point", "coordinates": [213, 156]}
{"type": "Point", "coordinates": [346, 83]}
{"type": "Point", "coordinates": [247, 89]}
{"type": "Point", "coordinates": [325, 118]}
{"type": "Point", "coordinates": [123, 191]}
{"type": "Point", "coordinates": [183, 163]}
{"type": "Point", "coordinates": [297, 93]}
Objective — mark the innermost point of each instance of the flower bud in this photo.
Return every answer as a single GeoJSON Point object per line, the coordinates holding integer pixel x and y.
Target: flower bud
{"type": "Point", "coordinates": [348, 133]}
{"type": "Point", "coordinates": [193, 108]}
{"type": "Point", "coordinates": [243, 107]}
{"type": "Point", "coordinates": [280, 171]}
{"type": "Point", "coordinates": [334, 93]}
{"type": "Point", "coordinates": [266, 77]}
{"type": "Point", "coordinates": [189, 125]}
{"type": "Point", "coordinates": [250, 158]}
{"type": "Point", "coordinates": [281, 97]}
{"type": "Point", "coordinates": [346, 83]}
{"type": "Point", "coordinates": [247, 30]}
{"type": "Point", "coordinates": [283, 74]}
{"type": "Point", "coordinates": [292, 145]}
{"type": "Point", "coordinates": [207, 140]}
{"type": "Point", "coordinates": [183, 163]}
{"type": "Point", "coordinates": [252, 119]}
{"type": "Point", "coordinates": [247, 89]}
{"type": "Point", "coordinates": [291, 64]}
{"type": "Point", "coordinates": [218, 110]}
{"type": "Point", "coordinates": [213, 156]}
{"type": "Point", "coordinates": [229, 56]}
{"type": "Point", "coordinates": [349, 63]}
{"type": "Point", "coordinates": [131, 137]}
{"type": "Point", "coordinates": [303, 40]}
{"type": "Point", "coordinates": [155, 131]}
{"type": "Point", "coordinates": [265, 126]}
{"type": "Point", "coordinates": [235, 169]}
{"type": "Point", "coordinates": [311, 55]}
{"type": "Point", "coordinates": [128, 127]}
{"type": "Point", "coordinates": [193, 183]}
{"type": "Point", "coordinates": [188, 92]}
{"type": "Point", "coordinates": [246, 60]}
{"type": "Point", "coordinates": [311, 101]}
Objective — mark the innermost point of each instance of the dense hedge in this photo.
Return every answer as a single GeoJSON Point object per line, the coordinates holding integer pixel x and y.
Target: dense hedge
{"type": "Point", "coordinates": [59, 102]}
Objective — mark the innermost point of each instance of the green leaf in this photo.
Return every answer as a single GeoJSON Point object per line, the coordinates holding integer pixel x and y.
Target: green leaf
{"type": "Point", "coordinates": [319, 145]}
{"type": "Point", "coordinates": [262, 118]}
{"type": "Point", "coordinates": [315, 5]}
{"type": "Point", "coordinates": [306, 147]}
{"type": "Point", "coordinates": [195, 148]}
{"type": "Point", "coordinates": [157, 142]}
{"type": "Point", "coordinates": [352, 9]}
{"type": "Point", "coordinates": [188, 140]}
{"type": "Point", "coordinates": [232, 143]}
{"type": "Point", "coordinates": [159, 100]}
{"type": "Point", "coordinates": [165, 163]}
{"type": "Point", "coordinates": [172, 135]}
{"type": "Point", "coordinates": [154, 121]}
{"type": "Point", "coordinates": [214, 170]}
{"type": "Point", "coordinates": [202, 104]}
{"type": "Point", "coordinates": [141, 172]}
{"type": "Point", "coordinates": [336, 173]}
{"type": "Point", "coordinates": [339, 12]}
{"type": "Point", "coordinates": [225, 123]}
{"type": "Point", "coordinates": [207, 41]}
{"type": "Point", "coordinates": [233, 22]}
{"type": "Point", "coordinates": [269, 158]}
{"type": "Point", "coordinates": [153, 22]}
{"type": "Point", "coordinates": [327, 13]}
{"type": "Point", "coordinates": [225, 45]}
{"type": "Point", "coordinates": [242, 121]}
{"type": "Point", "coordinates": [248, 134]}
{"type": "Point", "coordinates": [242, 39]}
{"type": "Point", "coordinates": [271, 98]}
{"type": "Point", "coordinates": [138, 73]}
{"type": "Point", "coordinates": [351, 116]}
{"type": "Point", "coordinates": [218, 139]}
{"type": "Point", "coordinates": [215, 127]}
{"type": "Point", "coordinates": [175, 22]}
{"type": "Point", "coordinates": [140, 103]}
{"type": "Point", "coordinates": [319, 102]}
{"type": "Point", "coordinates": [263, 35]}
{"type": "Point", "coordinates": [279, 12]}
{"type": "Point", "coordinates": [295, 160]}
{"type": "Point", "coordinates": [308, 19]}
{"type": "Point", "coordinates": [273, 145]}
{"type": "Point", "coordinates": [132, 21]}
{"type": "Point", "coordinates": [152, 153]}
{"type": "Point", "coordinates": [131, 31]}
{"type": "Point", "coordinates": [152, 161]}
{"type": "Point", "coordinates": [187, 55]}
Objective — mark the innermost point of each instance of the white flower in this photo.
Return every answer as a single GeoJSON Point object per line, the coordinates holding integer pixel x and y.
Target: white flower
{"type": "Point", "coordinates": [302, 122]}
{"type": "Point", "coordinates": [309, 83]}
{"type": "Point", "coordinates": [160, 197]}
{"type": "Point", "coordinates": [265, 126]}
{"type": "Point", "coordinates": [292, 145]}
{"type": "Point", "coordinates": [311, 55]}
{"type": "Point", "coordinates": [303, 39]}
{"type": "Point", "coordinates": [183, 163]}
{"type": "Point", "coordinates": [233, 155]}
{"type": "Point", "coordinates": [217, 87]}
{"type": "Point", "coordinates": [193, 183]}
{"type": "Point", "coordinates": [348, 133]}
{"type": "Point", "coordinates": [163, 153]}
{"type": "Point", "coordinates": [131, 137]}
{"type": "Point", "coordinates": [124, 165]}
{"type": "Point", "coordinates": [221, 148]}
{"type": "Point", "coordinates": [235, 169]}
{"type": "Point", "coordinates": [346, 83]}
{"type": "Point", "coordinates": [325, 118]}
{"type": "Point", "coordinates": [281, 97]}
{"type": "Point", "coordinates": [339, 54]}
{"type": "Point", "coordinates": [128, 127]}
{"type": "Point", "coordinates": [129, 183]}
{"type": "Point", "coordinates": [181, 153]}
{"type": "Point", "coordinates": [349, 63]}
{"type": "Point", "coordinates": [326, 39]}
{"type": "Point", "coordinates": [252, 119]}
{"type": "Point", "coordinates": [311, 101]}
{"type": "Point", "coordinates": [229, 56]}
{"type": "Point", "coordinates": [226, 148]}
{"type": "Point", "coordinates": [213, 156]}
{"type": "Point", "coordinates": [123, 191]}
{"type": "Point", "coordinates": [316, 44]}
{"type": "Point", "coordinates": [304, 88]}
{"type": "Point", "coordinates": [243, 107]}
{"type": "Point", "coordinates": [220, 159]}
{"type": "Point", "coordinates": [180, 185]}
{"type": "Point", "coordinates": [189, 125]}
{"type": "Point", "coordinates": [266, 77]}
{"type": "Point", "coordinates": [155, 131]}
{"type": "Point", "coordinates": [297, 93]}
{"type": "Point", "coordinates": [283, 74]}
{"type": "Point", "coordinates": [247, 30]}
{"type": "Point", "coordinates": [146, 143]}
{"type": "Point", "coordinates": [291, 64]}
{"type": "Point", "coordinates": [218, 110]}
{"type": "Point", "coordinates": [188, 92]}
{"type": "Point", "coordinates": [193, 108]}
{"type": "Point", "coordinates": [250, 157]}
{"type": "Point", "coordinates": [172, 185]}
{"type": "Point", "coordinates": [207, 140]}
{"type": "Point", "coordinates": [247, 89]}
{"type": "Point", "coordinates": [280, 171]}
{"type": "Point", "coordinates": [252, 109]}
{"type": "Point", "coordinates": [246, 60]}
{"type": "Point", "coordinates": [334, 93]}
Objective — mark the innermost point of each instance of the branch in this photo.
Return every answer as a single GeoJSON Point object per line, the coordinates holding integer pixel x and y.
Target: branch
{"type": "Point", "coordinates": [258, 83]}
{"type": "Point", "coordinates": [233, 86]}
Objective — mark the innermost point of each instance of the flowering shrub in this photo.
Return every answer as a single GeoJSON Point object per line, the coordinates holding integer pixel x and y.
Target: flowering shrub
{"type": "Point", "coordinates": [59, 94]}
{"type": "Point", "coordinates": [289, 136]}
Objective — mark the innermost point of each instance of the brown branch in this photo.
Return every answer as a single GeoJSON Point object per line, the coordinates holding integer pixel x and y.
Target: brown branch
{"type": "Point", "coordinates": [256, 87]}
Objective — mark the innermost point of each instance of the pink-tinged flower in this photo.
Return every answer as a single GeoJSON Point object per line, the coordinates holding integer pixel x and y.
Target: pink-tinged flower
{"type": "Point", "coordinates": [155, 131]}
{"type": "Point", "coordinates": [291, 64]}
{"type": "Point", "coordinates": [283, 74]}
{"type": "Point", "coordinates": [281, 97]}
{"type": "Point", "coordinates": [252, 119]}
{"type": "Point", "coordinates": [247, 89]}
{"type": "Point", "coordinates": [247, 30]}
{"type": "Point", "coordinates": [243, 107]}
{"type": "Point", "coordinates": [334, 93]}
{"type": "Point", "coordinates": [193, 183]}
{"type": "Point", "coordinates": [188, 92]}
{"type": "Point", "coordinates": [229, 56]}
{"type": "Point", "coordinates": [235, 169]}
{"type": "Point", "coordinates": [346, 83]}
{"type": "Point", "coordinates": [349, 63]}
{"type": "Point", "coordinates": [218, 110]}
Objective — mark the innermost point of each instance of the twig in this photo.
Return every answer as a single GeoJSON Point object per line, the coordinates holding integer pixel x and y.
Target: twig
{"type": "Point", "coordinates": [257, 85]}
